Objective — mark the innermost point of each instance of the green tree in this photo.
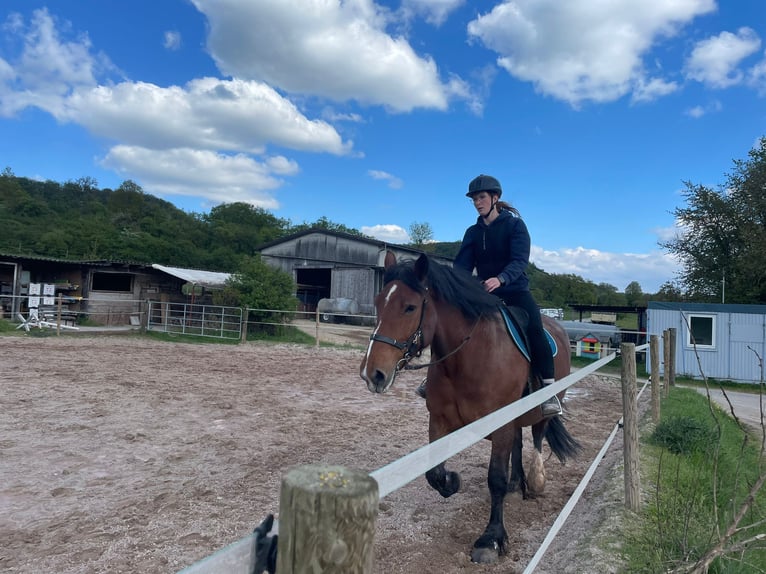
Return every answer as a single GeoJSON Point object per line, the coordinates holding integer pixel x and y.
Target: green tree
{"type": "Point", "coordinates": [633, 294]}
{"type": "Point", "coordinates": [324, 223]}
{"type": "Point", "coordinates": [669, 291]}
{"type": "Point", "coordinates": [257, 285]}
{"type": "Point", "coordinates": [722, 242]}
{"type": "Point", "coordinates": [420, 234]}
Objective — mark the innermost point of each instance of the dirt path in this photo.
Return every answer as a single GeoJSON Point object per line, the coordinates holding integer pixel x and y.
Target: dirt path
{"type": "Point", "coordinates": [121, 454]}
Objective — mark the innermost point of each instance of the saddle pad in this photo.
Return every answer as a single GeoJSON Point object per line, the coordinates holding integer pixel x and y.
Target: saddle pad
{"type": "Point", "coordinates": [521, 343]}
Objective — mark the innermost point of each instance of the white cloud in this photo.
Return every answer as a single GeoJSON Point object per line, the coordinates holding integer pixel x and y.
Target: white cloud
{"type": "Point", "coordinates": [647, 91]}
{"type": "Point", "coordinates": [756, 77]}
{"type": "Point", "coordinates": [47, 68]}
{"type": "Point", "coordinates": [699, 111]}
{"type": "Point", "coordinates": [393, 181]}
{"type": "Point", "coordinates": [434, 11]}
{"type": "Point", "coordinates": [172, 40]}
{"type": "Point", "coordinates": [387, 232]}
{"type": "Point", "coordinates": [715, 61]}
{"type": "Point", "coordinates": [336, 50]}
{"type": "Point", "coordinates": [651, 270]}
{"type": "Point", "coordinates": [207, 113]}
{"type": "Point", "coordinates": [210, 121]}
{"type": "Point", "coordinates": [215, 177]}
{"type": "Point", "coordinates": [582, 50]}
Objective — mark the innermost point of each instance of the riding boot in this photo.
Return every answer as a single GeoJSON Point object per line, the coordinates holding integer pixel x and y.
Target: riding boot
{"type": "Point", "coordinates": [552, 406]}
{"type": "Point", "coordinates": [421, 390]}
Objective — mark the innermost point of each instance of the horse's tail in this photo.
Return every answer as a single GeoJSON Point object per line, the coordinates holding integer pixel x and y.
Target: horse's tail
{"type": "Point", "coordinates": [562, 444]}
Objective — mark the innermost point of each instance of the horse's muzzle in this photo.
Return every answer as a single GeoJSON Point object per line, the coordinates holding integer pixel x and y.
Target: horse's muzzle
{"type": "Point", "coordinates": [378, 381]}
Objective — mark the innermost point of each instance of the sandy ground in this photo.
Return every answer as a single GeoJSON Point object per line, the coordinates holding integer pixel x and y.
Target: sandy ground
{"type": "Point", "coordinates": [122, 454]}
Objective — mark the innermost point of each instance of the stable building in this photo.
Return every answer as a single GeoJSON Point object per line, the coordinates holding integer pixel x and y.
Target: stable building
{"type": "Point", "coordinates": [331, 264]}
{"type": "Point", "coordinates": [108, 292]}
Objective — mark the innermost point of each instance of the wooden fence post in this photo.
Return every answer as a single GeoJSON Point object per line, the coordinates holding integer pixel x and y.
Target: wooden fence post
{"type": "Point", "coordinates": [243, 325]}
{"type": "Point", "coordinates": [654, 359]}
{"type": "Point", "coordinates": [666, 362]}
{"type": "Point", "coordinates": [316, 324]}
{"type": "Point", "coordinates": [672, 368]}
{"type": "Point", "coordinates": [58, 317]}
{"type": "Point", "coordinates": [326, 521]}
{"type": "Point", "coordinates": [630, 425]}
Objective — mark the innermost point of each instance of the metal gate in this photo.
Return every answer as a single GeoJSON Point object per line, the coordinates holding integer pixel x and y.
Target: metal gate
{"type": "Point", "coordinates": [199, 320]}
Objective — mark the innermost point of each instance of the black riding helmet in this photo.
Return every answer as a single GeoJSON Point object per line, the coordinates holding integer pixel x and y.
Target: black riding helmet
{"type": "Point", "coordinates": [484, 183]}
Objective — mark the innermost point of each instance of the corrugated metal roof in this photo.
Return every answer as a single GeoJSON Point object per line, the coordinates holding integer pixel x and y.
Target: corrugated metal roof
{"type": "Point", "coordinates": [210, 279]}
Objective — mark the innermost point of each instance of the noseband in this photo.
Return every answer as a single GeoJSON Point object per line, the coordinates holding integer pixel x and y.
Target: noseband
{"type": "Point", "coordinates": [410, 348]}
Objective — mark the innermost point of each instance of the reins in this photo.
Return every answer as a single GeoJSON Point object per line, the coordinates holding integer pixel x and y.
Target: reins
{"type": "Point", "coordinates": [408, 367]}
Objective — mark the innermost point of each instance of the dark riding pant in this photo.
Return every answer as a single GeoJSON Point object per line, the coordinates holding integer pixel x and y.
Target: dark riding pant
{"type": "Point", "coordinates": [540, 349]}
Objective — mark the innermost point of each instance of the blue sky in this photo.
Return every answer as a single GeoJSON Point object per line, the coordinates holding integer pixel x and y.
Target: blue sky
{"type": "Point", "coordinates": [376, 115]}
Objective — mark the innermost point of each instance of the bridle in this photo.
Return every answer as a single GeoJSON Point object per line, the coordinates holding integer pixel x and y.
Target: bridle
{"type": "Point", "coordinates": [413, 346]}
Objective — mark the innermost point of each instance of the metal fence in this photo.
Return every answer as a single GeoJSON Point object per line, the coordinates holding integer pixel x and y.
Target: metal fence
{"type": "Point", "coordinates": [198, 320]}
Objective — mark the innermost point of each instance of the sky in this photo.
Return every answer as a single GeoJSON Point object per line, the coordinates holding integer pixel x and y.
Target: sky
{"type": "Point", "coordinates": [376, 115]}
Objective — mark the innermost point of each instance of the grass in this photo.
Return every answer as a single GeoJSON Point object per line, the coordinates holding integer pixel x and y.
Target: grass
{"type": "Point", "coordinates": [697, 469]}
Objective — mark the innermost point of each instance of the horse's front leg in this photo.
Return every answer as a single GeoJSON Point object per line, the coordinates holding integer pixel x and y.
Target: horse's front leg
{"type": "Point", "coordinates": [518, 478]}
{"type": "Point", "coordinates": [493, 542]}
{"type": "Point", "coordinates": [445, 482]}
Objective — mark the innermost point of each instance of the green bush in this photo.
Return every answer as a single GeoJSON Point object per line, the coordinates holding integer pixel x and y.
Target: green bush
{"type": "Point", "coordinates": [684, 435]}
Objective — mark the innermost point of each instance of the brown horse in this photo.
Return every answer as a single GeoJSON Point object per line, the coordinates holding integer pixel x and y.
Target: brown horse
{"type": "Point", "coordinates": [475, 369]}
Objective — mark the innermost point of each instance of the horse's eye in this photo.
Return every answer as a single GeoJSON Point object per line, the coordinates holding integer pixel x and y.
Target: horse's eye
{"type": "Point", "coordinates": [409, 308]}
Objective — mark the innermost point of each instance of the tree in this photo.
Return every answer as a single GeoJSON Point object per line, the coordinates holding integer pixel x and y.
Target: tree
{"type": "Point", "coordinates": [326, 224]}
{"type": "Point", "coordinates": [420, 234]}
{"type": "Point", "coordinates": [633, 294]}
{"type": "Point", "coordinates": [722, 242]}
{"type": "Point", "coordinates": [257, 285]}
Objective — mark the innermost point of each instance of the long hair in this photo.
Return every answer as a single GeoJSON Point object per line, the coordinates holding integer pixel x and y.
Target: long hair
{"type": "Point", "coordinates": [500, 205]}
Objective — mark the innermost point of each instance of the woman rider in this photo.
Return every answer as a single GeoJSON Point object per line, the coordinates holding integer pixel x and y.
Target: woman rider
{"type": "Point", "coordinates": [497, 246]}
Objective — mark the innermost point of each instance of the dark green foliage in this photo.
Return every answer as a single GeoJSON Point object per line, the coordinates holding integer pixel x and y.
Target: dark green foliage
{"type": "Point", "coordinates": [724, 235]}
{"type": "Point", "coordinates": [684, 435]}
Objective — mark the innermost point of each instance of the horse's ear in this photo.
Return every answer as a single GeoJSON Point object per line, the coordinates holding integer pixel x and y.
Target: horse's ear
{"type": "Point", "coordinates": [421, 267]}
{"type": "Point", "coordinates": [390, 260]}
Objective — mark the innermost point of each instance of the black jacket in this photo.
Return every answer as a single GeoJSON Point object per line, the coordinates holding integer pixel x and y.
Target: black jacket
{"type": "Point", "coordinates": [500, 249]}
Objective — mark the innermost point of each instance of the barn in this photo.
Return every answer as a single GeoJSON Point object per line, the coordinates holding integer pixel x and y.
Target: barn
{"type": "Point", "coordinates": [335, 265]}
{"type": "Point", "coordinates": [721, 341]}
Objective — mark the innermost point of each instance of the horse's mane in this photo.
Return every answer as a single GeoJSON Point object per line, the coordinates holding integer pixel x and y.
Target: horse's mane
{"type": "Point", "coordinates": [450, 285]}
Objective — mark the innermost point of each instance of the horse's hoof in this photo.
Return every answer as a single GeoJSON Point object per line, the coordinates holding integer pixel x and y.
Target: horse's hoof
{"type": "Point", "coordinates": [485, 555]}
{"type": "Point", "coordinates": [451, 484]}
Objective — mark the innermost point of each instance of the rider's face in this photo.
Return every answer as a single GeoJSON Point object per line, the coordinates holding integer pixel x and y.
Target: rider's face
{"type": "Point", "coordinates": [482, 201]}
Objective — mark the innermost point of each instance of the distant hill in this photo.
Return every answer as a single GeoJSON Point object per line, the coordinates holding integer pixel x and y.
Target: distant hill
{"type": "Point", "coordinates": [77, 221]}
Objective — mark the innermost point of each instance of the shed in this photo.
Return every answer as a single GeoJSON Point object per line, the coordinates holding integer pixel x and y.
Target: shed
{"type": "Point", "coordinates": [331, 264]}
{"type": "Point", "coordinates": [721, 341]}
{"type": "Point", "coordinates": [109, 291]}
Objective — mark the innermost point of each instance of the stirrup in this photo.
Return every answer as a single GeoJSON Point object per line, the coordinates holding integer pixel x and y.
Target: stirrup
{"type": "Point", "coordinates": [421, 390]}
{"type": "Point", "coordinates": [551, 407]}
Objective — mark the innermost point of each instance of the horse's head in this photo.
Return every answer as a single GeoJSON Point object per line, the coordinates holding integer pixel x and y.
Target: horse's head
{"type": "Point", "coordinates": [405, 322]}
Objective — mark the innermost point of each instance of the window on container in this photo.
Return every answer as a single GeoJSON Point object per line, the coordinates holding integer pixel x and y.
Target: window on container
{"type": "Point", "coordinates": [701, 331]}
{"type": "Point", "coordinates": [121, 282]}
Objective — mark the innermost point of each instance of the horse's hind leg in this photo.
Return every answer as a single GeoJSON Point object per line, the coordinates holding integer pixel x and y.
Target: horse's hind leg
{"type": "Point", "coordinates": [493, 542]}
{"type": "Point", "coordinates": [445, 482]}
{"type": "Point", "coordinates": [536, 477]}
{"type": "Point", "coordinates": [518, 478]}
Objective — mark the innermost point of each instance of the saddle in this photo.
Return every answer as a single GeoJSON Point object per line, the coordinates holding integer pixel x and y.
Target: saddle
{"type": "Point", "coordinates": [516, 321]}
